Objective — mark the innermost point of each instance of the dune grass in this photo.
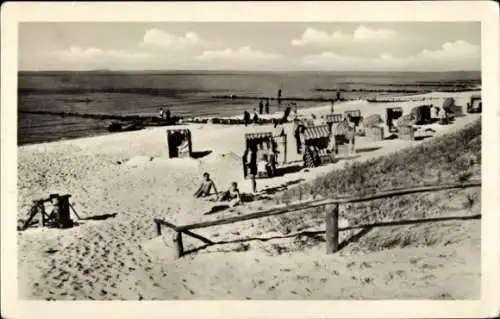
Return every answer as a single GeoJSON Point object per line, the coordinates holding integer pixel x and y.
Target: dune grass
{"type": "Point", "coordinates": [451, 158]}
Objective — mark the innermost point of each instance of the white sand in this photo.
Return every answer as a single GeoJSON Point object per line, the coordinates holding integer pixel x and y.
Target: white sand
{"type": "Point", "coordinates": [121, 258]}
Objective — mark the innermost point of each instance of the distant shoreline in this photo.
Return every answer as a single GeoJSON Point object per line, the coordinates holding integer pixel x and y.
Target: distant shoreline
{"type": "Point", "coordinates": [232, 72]}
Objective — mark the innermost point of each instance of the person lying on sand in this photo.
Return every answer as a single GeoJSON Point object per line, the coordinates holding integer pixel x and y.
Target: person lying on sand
{"type": "Point", "coordinates": [232, 195]}
{"type": "Point", "coordinates": [206, 187]}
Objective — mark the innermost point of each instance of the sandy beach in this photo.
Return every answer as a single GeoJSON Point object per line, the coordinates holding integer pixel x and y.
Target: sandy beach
{"type": "Point", "coordinates": [119, 183]}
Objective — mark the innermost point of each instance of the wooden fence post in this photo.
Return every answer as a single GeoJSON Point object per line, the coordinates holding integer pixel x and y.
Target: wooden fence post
{"type": "Point", "coordinates": [158, 227]}
{"type": "Point", "coordinates": [43, 215]}
{"type": "Point", "coordinates": [178, 244]}
{"type": "Point", "coordinates": [285, 149]}
{"type": "Point", "coordinates": [332, 228]}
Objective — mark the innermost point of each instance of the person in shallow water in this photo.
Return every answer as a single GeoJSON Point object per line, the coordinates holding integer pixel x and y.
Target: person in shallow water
{"type": "Point", "coordinates": [206, 187]}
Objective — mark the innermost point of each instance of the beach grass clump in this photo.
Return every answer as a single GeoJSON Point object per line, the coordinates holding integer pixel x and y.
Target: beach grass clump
{"type": "Point", "coordinates": [455, 157]}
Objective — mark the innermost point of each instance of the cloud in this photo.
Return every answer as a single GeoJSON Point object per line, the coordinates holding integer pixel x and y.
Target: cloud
{"type": "Point", "coordinates": [162, 39]}
{"type": "Point", "coordinates": [315, 37]}
{"type": "Point", "coordinates": [459, 55]}
{"type": "Point", "coordinates": [459, 48]}
{"type": "Point", "coordinates": [364, 33]}
{"type": "Point", "coordinates": [76, 53]}
{"type": "Point", "coordinates": [246, 54]}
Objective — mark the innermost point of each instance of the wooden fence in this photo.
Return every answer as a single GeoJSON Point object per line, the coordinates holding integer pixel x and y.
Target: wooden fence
{"type": "Point", "coordinates": [331, 214]}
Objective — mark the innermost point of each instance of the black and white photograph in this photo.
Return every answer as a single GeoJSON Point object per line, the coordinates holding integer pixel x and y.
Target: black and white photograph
{"type": "Point", "coordinates": [177, 160]}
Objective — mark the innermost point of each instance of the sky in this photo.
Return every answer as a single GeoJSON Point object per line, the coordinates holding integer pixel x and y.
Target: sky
{"type": "Point", "coordinates": [395, 46]}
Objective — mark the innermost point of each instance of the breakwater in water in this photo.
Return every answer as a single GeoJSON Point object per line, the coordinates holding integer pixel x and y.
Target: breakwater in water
{"type": "Point", "coordinates": [283, 99]}
{"type": "Point", "coordinates": [145, 120]}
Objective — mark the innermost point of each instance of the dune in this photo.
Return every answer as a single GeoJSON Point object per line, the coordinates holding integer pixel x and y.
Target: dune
{"type": "Point", "coordinates": [119, 183]}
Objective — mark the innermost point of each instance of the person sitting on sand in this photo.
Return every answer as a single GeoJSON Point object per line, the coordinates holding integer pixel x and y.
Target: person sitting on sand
{"type": "Point", "coordinates": [232, 195]}
{"type": "Point", "coordinates": [206, 187]}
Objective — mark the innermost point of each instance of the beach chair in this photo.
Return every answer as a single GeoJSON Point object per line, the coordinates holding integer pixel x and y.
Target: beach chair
{"type": "Point", "coordinates": [253, 140]}
{"type": "Point", "coordinates": [325, 156]}
{"type": "Point", "coordinates": [392, 114]}
{"type": "Point", "coordinates": [422, 114]}
{"type": "Point", "coordinates": [331, 119]}
{"type": "Point", "coordinates": [179, 143]}
{"type": "Point", "coordinates": [316, 138]}
{"type": "Point", "coordinates": [354, 116]}
{"type": "Point", "coordinates": [406, 132]}
{"type": "Point", "coordinates": [375, 132]}
{"type": "Point", "coordinates": [339, 131]}
{"type": "Point", "coordinates": [475, 104]}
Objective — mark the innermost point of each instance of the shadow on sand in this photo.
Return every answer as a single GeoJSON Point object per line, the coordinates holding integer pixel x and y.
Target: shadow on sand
{"type": "Point", "coordinates": [420, 138]}
{"type": "Point", "coordinates": [282, 187]}
{"type": "Point", "coordinates": [100, 217]}
{"type": "Point", "coordinates": [367, 149]}
{"type": "Point", "coordinates": [201, 154]}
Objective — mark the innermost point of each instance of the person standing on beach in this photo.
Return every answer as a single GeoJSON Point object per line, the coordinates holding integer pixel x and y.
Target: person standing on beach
{"type": "Point", "coordinates": [280, 136]}
{"type": "Point", "coordinates": [297, 134]}
{"type": "Point", "coordinates": [279, 97]}
{"type": "Point", "coordinates": [261, 107]}
{"type": "Point", "coordinates": [246, 118]}
{"type": "Point", "coordinates": [351, 136]}
{"type": "Point", "coordinates": [255, 117]}
{"type": "Point", "coordinates": [252, 165]}
{"type": "Point", "coordinates": [162, 113]}
{"type": "Point", "coordinates": [331, 107]}
{"type": "Point", "coordinates": [267, 106]}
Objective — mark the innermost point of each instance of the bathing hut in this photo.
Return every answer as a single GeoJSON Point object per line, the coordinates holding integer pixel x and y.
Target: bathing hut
{"type": "Point", "coordinates": [179, 143]}
{"type": "Point", "coordinates": [391, 114]}
{"type": "Point", "coordinates": [316, 141]}
{"type": "Point", "coordinates": [354, 116]}
{"type": "Point", "coordinates": [475, 104]}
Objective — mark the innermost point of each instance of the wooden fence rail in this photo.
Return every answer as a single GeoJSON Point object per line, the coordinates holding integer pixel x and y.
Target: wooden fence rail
{"type": "Point", "coordinates": [331, 214]}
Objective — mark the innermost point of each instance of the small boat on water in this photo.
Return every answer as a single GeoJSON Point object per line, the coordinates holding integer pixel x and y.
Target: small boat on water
{"type": "Point", "coordinates": [116, 126]}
